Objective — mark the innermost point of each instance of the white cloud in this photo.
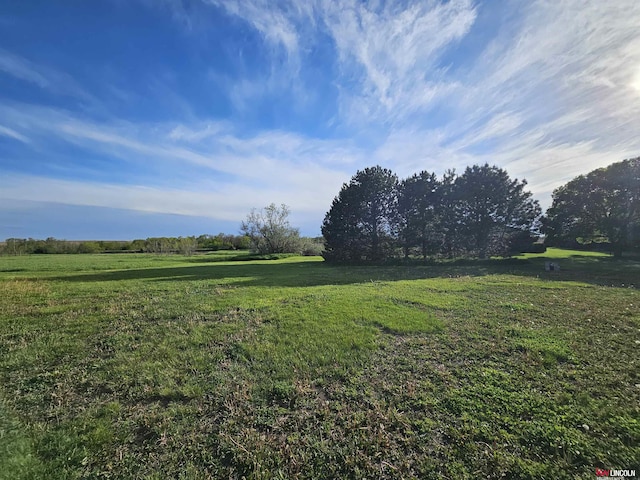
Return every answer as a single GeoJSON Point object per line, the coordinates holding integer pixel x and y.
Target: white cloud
{"type": "Point", "coordinates": [555, 94]}
{"type": "Point", "coordinates": [635, 81]}
{"type": "Point", "coordinates": [226, 174]}
{"type": "Point", "coordinates": [140, 198]}
{"type": "Point", "coordinates": [226, 202]}
{"type": "Point", "coordinates": [390, 51]}
{"type": "Point", "coordinates": [276, 25]}
{"type": "Point", "coordinates": [398, 48]}
{"type": "Point", "coordinates": [8, 132]}
{"type": "Point", "coordinates": [567, 55]}
{"type": "Point", "coordinates": [197, 133]}
{"type": "Point", "coordinates": [45, 77]}
{"type": "Point", "coordinates": [547, 100]}
{"type": "Point", "coordinates": [22, 69]}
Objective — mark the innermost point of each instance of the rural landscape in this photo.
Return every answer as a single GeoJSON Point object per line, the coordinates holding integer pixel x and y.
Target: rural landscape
{"type": "Point", "coordinates": [319, 240]}
{"type": "Point", "coordinates": [264, 363]}
{"type": "Point", "coordinates": [138, 366]}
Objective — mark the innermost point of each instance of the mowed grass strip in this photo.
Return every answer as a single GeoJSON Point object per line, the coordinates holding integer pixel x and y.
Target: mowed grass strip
{"type": "Point", "coordinates": [139, 366]}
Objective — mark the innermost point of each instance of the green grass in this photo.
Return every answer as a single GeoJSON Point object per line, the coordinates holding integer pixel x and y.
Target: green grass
{"type": "Point", "coordinates": [141, 366]}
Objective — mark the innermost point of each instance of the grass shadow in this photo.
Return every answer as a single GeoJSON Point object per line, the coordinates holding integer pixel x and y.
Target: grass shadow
{"type": "Point", "coordinates": [301, 273]}
{"type": "Point", "coordinates": [597, 270]}
{"type": "Point", "coordinates": [278, 274]}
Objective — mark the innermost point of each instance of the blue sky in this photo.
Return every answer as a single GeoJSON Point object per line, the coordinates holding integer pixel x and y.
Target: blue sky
{"type": "Point", "coordinates": [123, 119]}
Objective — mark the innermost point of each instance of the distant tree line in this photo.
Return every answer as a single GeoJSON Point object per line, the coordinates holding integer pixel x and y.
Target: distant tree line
{"type": "Point", "coordinates": [377, 216]}
{"type": "Point", "coordinates": [479, 213]}
{"type": "Point", "coordinates": [161, 245]}
{"type": "Point", "coordinates": [278, 242]}
{"type": "Point", "coordinates": [22, 246]}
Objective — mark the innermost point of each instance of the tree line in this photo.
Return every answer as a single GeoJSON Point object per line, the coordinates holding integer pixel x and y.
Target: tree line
{"type": "Point", "coordinates": [161, 245]}
{"type": "Point", "coordinates": [264, 233]}
{"type": "Point", "coordinates": [377, 216]}
{"type": "Point", "coordinates": [482, 212]}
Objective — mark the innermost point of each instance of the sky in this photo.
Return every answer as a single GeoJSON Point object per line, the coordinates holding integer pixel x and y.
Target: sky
{"type": "Point", "coordinates": [123, 119]}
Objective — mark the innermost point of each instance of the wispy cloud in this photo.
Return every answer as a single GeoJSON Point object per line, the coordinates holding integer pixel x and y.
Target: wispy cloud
{"type": "Point", "coordinates": [276, 22]}
{"type": "Point", "coordinates": [8, 132]}
{"type": "Point", "coordinates": [225, 205]}
{"type": "Point", "coordinates": [548, 100]}
{"type": "Point", "coordinates": [552, 91]}
{"type": "Point", "coordinates": [47, 78]}
{"type": "Point", "coordinates": [226, 173]}
{"type": "Point", "coordinates": [389, 50]}
{"type": "Point", "coordinates": [22, 69]}
{"type": "Point", "coordinates": [396, 47]}
{"type": "Point", "coordinates": [566, 73]}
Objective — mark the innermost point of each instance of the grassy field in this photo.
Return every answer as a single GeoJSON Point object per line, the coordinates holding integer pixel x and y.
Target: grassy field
{"type": "Point", "coordinates": [140, 366]}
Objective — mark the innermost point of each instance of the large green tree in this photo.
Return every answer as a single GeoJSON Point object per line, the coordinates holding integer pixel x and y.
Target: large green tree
{"type": "Point", "coordinates": [448, 222]}
{"type": "Point", "coordinates": [491, 208]}
{"type": "Point", "coordinates": [603, 205]}
{"type": "Point", "coordinates": [419, 202]}
{"type": "Point", "coordinates": [362, 222]}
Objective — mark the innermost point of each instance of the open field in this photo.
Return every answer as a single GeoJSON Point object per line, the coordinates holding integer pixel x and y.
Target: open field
{"type": "Point", "coordinates": [140, 366]}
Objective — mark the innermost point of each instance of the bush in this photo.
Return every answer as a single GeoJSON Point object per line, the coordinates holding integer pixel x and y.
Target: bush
{"type": "Point", "coordinates": [89, 247]}
{"type": "Point", "coordinates": [270, 231]}
{"type": "Point", "coordinates": [310, 247]}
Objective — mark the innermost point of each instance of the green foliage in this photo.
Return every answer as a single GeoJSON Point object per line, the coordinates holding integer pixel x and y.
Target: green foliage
{"type": "Point", "coordinates": [23, 246]}
{"type": "Point", "coordinates": [17, 459]}
{"type": "Point", "coordinates": [89, 247]}
{"type": "Point", "coordinates": [310, 247]}
{"type": "Point", "coordinates": [362, 222]}
{"type": "Point", "coordinates": [603, 205]}
{"type": "Point", "coordinates": [158, 245]}
{"type": "Point", "coordinates": [420, 215]}
{"type": "Point", "coordinates": [149, 366]}
{"type": "Point", "coordinates": [491, 208]}
{"type": "Point", "coordinates": [223, 241]}
{"type": "Point", "coordinates": [260, 256]}
{"type": "Point", "coordinates": [187, 245]}
{"type": "Point", "coordinates": [525, 242]}
{"type": "Point", "coordinates": [270, 231]}
{"type": "Point", "coordinates": [480, 213]}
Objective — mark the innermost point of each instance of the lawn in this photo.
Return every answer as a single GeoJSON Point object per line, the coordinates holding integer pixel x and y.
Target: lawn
{"type": "Point", "coordinates": [142, 366]}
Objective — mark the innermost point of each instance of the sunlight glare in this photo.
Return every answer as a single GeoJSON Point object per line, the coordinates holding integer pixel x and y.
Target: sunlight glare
{"type": "Point", "coordinates": [635, 82]}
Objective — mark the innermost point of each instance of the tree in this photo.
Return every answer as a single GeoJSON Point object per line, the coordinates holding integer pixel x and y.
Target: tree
{"type": "Point", "coordinates": [491, 208]}
{"type": "Point", "coordinates": [187, 245]}
{"type": "Point", "coordinates": [89, 247]}
{"type": "Point", "coordinates": [603, 205]}
{"type": "Point", "coordinates": [162, 245]}
{"type": "Point", "coordinates": [448, 222]}
{"type": "Point", "coordinates": [362, 222]}
{"type": "Point", "coordinates": [418, 202]}
{"type": "Point", "coordinates": [270, 231]}
{"type": "Point", "coordinates": [15, 246]}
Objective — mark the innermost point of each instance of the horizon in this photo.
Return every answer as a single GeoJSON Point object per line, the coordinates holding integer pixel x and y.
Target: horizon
{"type": "Point", "coordinates": [126, 120]}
